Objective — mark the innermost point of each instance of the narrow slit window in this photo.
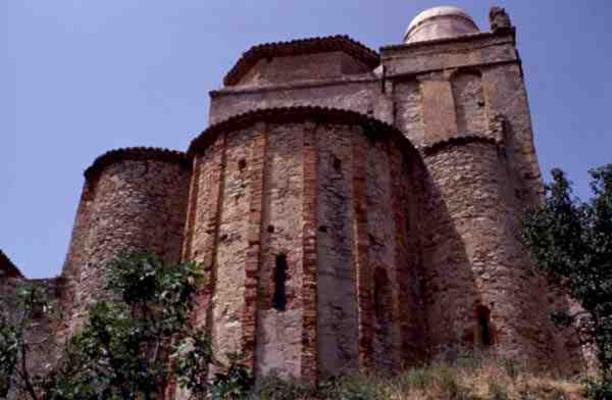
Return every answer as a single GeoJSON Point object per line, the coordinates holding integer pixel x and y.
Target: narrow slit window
{"type": "Point", "coordinates": [483, 314]}
{"type": "Point", "coordinates": [279, 299]}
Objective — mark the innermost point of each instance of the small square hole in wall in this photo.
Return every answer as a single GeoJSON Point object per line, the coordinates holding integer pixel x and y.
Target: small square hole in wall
{"type": "Point", "coordinates": [336, 163]}
{"type": "Point", "coordinates": [242, 164]}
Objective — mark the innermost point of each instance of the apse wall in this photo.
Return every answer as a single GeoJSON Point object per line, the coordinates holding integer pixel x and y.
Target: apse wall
{"type": "Point", "coordinates": [480, 287]}
{"type": "Point", "coordinates": [300, 216]}
{"type": "Point", "coordinates": [133, 200]}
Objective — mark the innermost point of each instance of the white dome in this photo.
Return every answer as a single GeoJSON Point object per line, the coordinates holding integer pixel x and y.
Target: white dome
{"type": "Point", "coordinates": [439, 23]}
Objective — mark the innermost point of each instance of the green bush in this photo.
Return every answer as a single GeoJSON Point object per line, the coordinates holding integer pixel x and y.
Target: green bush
{"type": "Point", "coordinates": [497, 392]}
{"type": "Point", "coordinates": [417, 378]}
{"type": "Point", "coordinates": [275, 388]}
{"type": "Point", "coordinates": [351, 388]}
{"type": "Point", "coordinates": [571, 240]}
{"type": "Point", "coordinates": [598, 389]}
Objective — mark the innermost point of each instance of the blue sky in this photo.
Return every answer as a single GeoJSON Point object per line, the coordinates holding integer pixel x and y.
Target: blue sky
{"type": "Point", "coordinates": [81, 77]}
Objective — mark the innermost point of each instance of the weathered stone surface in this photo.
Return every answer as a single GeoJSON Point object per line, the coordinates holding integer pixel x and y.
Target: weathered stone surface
{"type": "Point", "coordinates": [336, 315]}
{"type": "Point", "coordinates": [352, 211]}
{"type": "Point", "coordinates": [134, 203]}
{"type": "Point", "coordinates": [499, 19]}
{"type": "Point", "coordinates": [438, 105]}
{"type": "Point", "coordinates": [337, 307]}
{"type": "Point", "coordinates": [40, 331]}
{"type": "Point", "coordinates": [475, 259]}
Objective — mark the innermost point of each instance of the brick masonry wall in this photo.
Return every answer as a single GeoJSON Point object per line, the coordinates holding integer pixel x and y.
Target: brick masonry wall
{"type": "Point", "coordinates": [479, 82]}
{"type": "Point", "coordinates": [408, 117]}
{"type": "Point", "coordinates": [337, 307]}
{"type": "Point", "coordinates": [40, 331]}
{"type": "Point", "coordinates": [474, 258]}
{"type": "Point", "coordinates": [76, 258]}
{"type": "Point", "coordinates": [130, 205]}
{"type": "Point", "coordinates": [202, 224]}
{"type": "Point", "coordinates": [505, 95]}
{"type": "Point", "coordinates": [285, 69]}
{"type": "Point", "coordinates": [288, 191]}
{"type": "Point", "coordinates": [393, 256]}
{"type": "Point", "coordinates": [381, 258]}
{"type": "Point", "coordinates": [406, 177]}
{"type": "Point", "coordinates": [487, 98]}
{"type": "Point", "coordinates": [229, 294]}
{"type": "Point", "coordinates": [355, 94]}
{"type": "Point", "coordinates": [469, 103]}
{"type": "Point", "coordinates": [280, 331]}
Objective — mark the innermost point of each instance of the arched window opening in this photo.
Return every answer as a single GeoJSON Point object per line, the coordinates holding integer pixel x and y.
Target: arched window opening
{"type": "Point", "coordinates": [382, 292]}
{"type": "Point", "coordinates": [483, 315]}
{"type": "Point", "coordinates": [279, 299]}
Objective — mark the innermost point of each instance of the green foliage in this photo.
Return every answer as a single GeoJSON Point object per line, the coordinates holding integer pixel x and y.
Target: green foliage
{"type": "Point", "coordinates": [233, 383]}
{"type": "Point", "coordinates": [598, 389]}
{"type": "Point", "coordinates": [122, 352]}
{"type": "Point", "coordinates": [32, 305]}
{"type": "Point", "coordinates": [124, 349]}
{"type": "Point", "coordinates": [468, 361]}
{"type": "Point", "coordinates": [511, 367]}
{"type": "Point", "coordinates": [105, 360]}
{"type": "Point", "coordinates": [274, 388]}
{"type": "Point", "coordinates": [445, 378]}
{"type": "Point", "coordinates": [572, 241]}
{"type": "Point", "coordinates": [9, 352]}
{"type": "Point", "coordinates": [192, 357]}
{"type": "Point", "coordinates": [419, 378]}
{"type": "Point", "coordinates": [357, 387]}
{"type": "Point", "coordinates": [497, 392]}
{"type": "Point", "coordinates": [157, 293]}
{"type": "Point", "coordinates": [351, 388]}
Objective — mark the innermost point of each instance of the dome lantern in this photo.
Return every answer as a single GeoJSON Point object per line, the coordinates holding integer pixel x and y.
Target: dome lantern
{"type": "Point", "coordinates": [439, 23]}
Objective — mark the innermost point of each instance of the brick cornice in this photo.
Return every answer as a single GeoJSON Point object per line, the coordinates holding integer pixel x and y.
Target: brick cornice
{"type": "Point", "coordinates": [301, 46]}
{"type": "Point", "coordinates": [297, 114]}
{"type": "Point", "coordinates": [432, 46]}
{"type": "Point", "coordinates": [458, 141]}
{"type": "Point", "coordinates": [135, 154]}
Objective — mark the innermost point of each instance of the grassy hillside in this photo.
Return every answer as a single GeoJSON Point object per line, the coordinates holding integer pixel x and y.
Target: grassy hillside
{"type": "Point", "coordinates": [466, 379]}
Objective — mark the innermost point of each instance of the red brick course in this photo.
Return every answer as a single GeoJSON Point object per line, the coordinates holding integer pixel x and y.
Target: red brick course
{"type": "Point", "coordinates": [400, 238]}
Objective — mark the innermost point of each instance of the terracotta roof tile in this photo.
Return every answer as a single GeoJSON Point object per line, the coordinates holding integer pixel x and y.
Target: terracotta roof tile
{"type": "Point", "coordinates": [292, 114]}
{"type": "Point", "coordinates": [458, 141]}
{"type": "Point", "coordinates": [135, 153]}
{"type": "Point", "coordinates": [301, 46]}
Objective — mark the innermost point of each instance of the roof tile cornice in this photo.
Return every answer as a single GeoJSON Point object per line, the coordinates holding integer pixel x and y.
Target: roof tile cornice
{"type": "Point", "coordinates": [135, 153]}
{"type": "Point", "coordinates": [458, 141]}
{"type": "Point", "coordinates": [293, 114]}
{"type": "Point", "coordinates": [301, 46]}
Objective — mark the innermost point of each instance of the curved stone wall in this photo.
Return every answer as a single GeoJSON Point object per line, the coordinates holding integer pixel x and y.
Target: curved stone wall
{"type": "Point", "coordinates": [290, 214]}
{"type": "Point", "coordinates": [133, 200]}
{"type": "Point", "coordinates": [481, 289]}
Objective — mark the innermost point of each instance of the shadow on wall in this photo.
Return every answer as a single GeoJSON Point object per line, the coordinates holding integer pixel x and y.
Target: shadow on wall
{"type": "Point", "coordinates": [450, 289]}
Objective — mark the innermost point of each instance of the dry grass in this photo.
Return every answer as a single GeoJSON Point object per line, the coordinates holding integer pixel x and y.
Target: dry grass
{"type": "Point", "coordinates": [467, 379]}
{"type": "Point", "coordinates": [485, 381]}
